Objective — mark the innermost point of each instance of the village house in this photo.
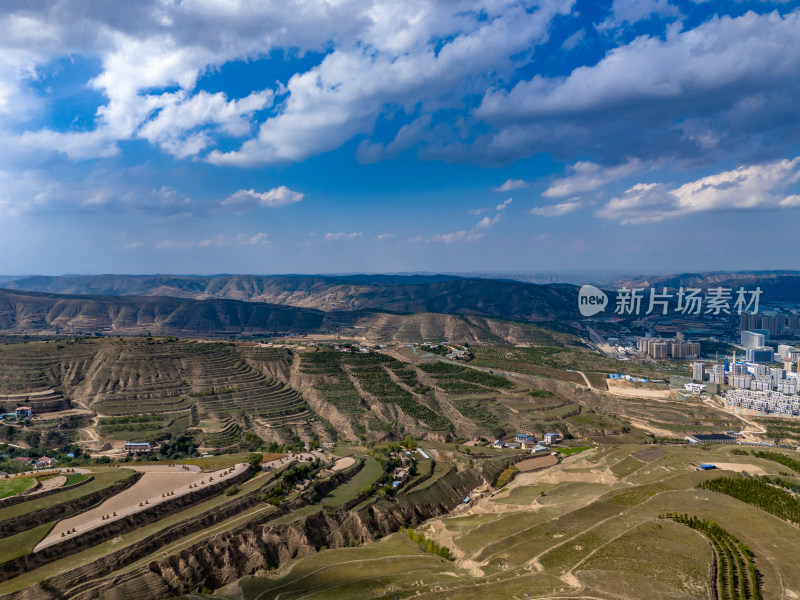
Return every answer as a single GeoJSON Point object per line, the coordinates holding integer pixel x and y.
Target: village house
{"type": "Point", "coordinates": [137, 447]}
{"type": "Point", "coordinates": [551, 438]}
{"type": "Point", "coordinates": [24, 412]}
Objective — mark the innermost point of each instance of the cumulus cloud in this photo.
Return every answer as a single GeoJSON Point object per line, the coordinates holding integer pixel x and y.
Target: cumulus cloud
{"type": "Point", "coordinates": [35, 191]}
{"type": "Point", "coordinates": [761, 186]}
{"type": "Point", "coordinates": [332, 237]}
{"type": "Point", "coordinates": [556, 210]}
{"type": "Point", "coordinates": [245, 200]}
{"type": "Point", "coordinates": [179, 117]}
{"type": "Point", "coordinates": [511, 184]}
{"type": "Point", "coordinates": [587, 176]}
{"type": "Point", "coordinates": [504, 204]}
{"type": "Point", "coordinates": [631, 11]}
{"type": "Point", "coordinates": [458, 236]}
{"type": "Point", "coordinates": [167, 244]}
{"type": "Point", "coordinates": [723, 86]}
{"type": "Point", "coordinates": [218, 241]}
{"type": "Point", "coordinates": [344, 95]}
{"type": "Point", "coordinates": [478, 231]}
{"type": "Point", "coordinates": [258, 239]}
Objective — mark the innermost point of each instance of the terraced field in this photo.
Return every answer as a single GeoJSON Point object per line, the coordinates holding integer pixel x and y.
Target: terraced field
{"type": "Point", "coordinates": [576, 530]}
{"type": "Point", "coordinates": [223, 383]}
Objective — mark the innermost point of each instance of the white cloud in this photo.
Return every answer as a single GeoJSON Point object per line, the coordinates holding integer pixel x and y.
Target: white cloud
{"type": "Point", "coordinates": [476, 232]}
{"type": "Point", "coordinates": [745, 188]}
{"type": "Point", "coordinates": [572, 41]}
{"type": "Point", "coordinates": [587, 176]}
{"type": "Point", "coordinates": [258, 239]}
{"type": "Point", "coordinates": [511, 184]}
{"type": "Point", "coordinates": [218, 241]}
{"type": "Point", "coordinates": [244, 200]}
{"type": "Point", "coordinates": [330, 237]}
{"type": "Point", "coordinates": [694, 94]}
{"type": "Point", "coordinates": [556, 210]}
{"type": "Point", "coordinates": [35, 191]}
{"type": "Point", "coordinates": [384, 236]}
{"type": "Point", "coordinates": [631, 11]}
{"type": "Point", "coordinates": [487, 222]}
{"type": "Point", "coordinates": [132, 245]}
{"type": "Point", "coordinates": [458, 236]}
{"type": "Point", "coordinates": [344, 95]}
{"type": "Point", "coordinates": [166, 244]}
{"type": "Point", "coordinates": [178, 116]}
{"type": "Point", "coordinates": [503, 205]}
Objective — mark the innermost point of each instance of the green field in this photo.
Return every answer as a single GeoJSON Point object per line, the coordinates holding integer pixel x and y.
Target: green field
{"type": "Point", "coordinates": [598, 537]}
{"type": "Point", "coordinates": [102, 478]}
{"type": "Point", "coordinates": [12, 487]}
{"type": "Point", "coordinates": [362, 480]}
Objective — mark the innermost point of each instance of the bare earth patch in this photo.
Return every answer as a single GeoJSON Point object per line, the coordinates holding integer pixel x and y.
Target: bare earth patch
{"type": "Point", "coordinates": [636, 392]}
{"type": "Point", "coordinates": [649, 454]}
{"type": "Point", "coordinates": [534, 464]}
{"type": "Point", "coordinates": [157, 481]}
{"type": "Point", "coordinates": [752, 469]}
{"type": "Point", "coordinates": [343, 463]}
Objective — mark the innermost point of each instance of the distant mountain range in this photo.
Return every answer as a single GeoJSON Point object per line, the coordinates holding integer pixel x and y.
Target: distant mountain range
{"type": "Point", "coordinates": [775, 285]}
{"type": "Point", "coordinates": [250, 304]}
{"type": "Point", "coordinates": [495, 298]}
{"type": "Point", "coordinates": [32, 312]}
{"type": "Point", "coordinates": [23, 312]}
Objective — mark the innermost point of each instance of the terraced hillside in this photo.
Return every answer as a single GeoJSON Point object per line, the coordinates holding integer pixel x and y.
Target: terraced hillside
{"type": "Point", "coordinates": [39, 374]}
{"type": "Point", "coordinates": [143, 389]}
{"type": "Point", "coordinates": [224, 384]}
{"type": "Point", "coordinates": [624, 522]}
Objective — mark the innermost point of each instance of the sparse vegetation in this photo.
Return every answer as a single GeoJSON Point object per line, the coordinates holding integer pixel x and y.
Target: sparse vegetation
{"type": "Point", "coordinates": [737, 575]}
{"type": "Point", "coordinates": [763, 493]}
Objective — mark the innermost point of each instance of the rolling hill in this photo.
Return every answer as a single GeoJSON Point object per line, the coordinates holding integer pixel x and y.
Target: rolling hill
{"type": "Point", "coordinates": [504, 299]}
{"type": "Point", "coordinates": [31, 312]}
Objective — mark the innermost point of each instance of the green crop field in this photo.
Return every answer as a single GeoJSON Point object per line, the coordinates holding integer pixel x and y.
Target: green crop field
{"type": "Point", "coordinates": [102, 478]}
{"type": "Point", "coordinates": [12, 487]}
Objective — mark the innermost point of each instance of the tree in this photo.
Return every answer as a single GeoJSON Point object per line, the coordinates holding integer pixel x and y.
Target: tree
{"type": "Point", "coordinates": [252, 442]}
{"type": "Point", "coordinates": [255, 459]}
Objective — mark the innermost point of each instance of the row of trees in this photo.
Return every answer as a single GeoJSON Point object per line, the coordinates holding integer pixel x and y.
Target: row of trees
{"type": "Point", "coordinates": [760, 493]}
{"type": "Point", "coordinates": [426, 544]}
{"type": "Point", "coordinates": [779, 458]}
{"type": "Point", "coordinates": [737, 575]}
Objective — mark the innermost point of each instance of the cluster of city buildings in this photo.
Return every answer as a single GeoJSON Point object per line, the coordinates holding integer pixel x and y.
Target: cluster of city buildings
{"type": "Point", "coordinates": [662, 349]}
{"type": "Point", "coordinates": [764, 401]}
{"type": "Point", "coordinates": [775, 325]}
{"type": "Point", "coordinates": [756, 384]}
{"type": "Point", "coordinates": [749, 376]}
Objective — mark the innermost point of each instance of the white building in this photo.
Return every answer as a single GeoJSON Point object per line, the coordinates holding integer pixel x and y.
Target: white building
{"type": "Point", "coordinates": [751, 339]}
{"type": "Point", "coordinates": [698, 371]}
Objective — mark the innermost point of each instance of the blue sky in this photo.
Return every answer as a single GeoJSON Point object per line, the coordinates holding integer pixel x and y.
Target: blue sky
{"type": "Point", "coordinates": [308, 137]}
